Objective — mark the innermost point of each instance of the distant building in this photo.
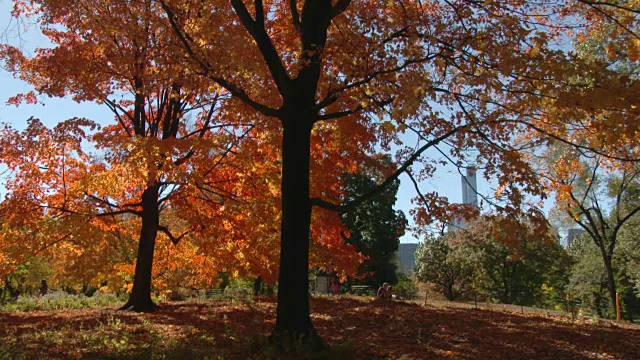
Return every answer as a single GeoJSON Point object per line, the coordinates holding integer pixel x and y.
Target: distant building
{"type": "Point", "coordinates": [469, 196]}
{"type": "Point", "coordinates": [470, 187]}
{"type": "Point", "coordinates": [406, 252]}
{"type": "Point", "coordinates": [406, 258]}
{"type": "Point", "coordinates": [572, 234]}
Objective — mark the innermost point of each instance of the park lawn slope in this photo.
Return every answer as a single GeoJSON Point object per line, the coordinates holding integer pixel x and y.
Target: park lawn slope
{"type": "Point", "coordinates": [355, 328]}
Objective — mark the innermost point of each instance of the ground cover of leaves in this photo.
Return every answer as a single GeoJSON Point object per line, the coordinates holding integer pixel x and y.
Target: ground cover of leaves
{"type": "Point", "coordinates": [360, 329]}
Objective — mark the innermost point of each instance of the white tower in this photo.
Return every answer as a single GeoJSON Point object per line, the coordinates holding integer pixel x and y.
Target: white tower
{"type": "Point", "coordinates": [470, 187]}
{"type": "Point", "coordinates": [469, 196]}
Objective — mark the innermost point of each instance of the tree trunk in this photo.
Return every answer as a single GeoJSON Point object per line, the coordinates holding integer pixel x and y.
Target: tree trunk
{"type": "Point", "coordinates": [293, 323]}
{"type": "Point", "coordinates": [611, 282]}
{"type": "Point", "coordinates": [448, 292]}
{"type": "Point", "coordinates": [140, 297]}
{"type": "Point", "coordinates": [597, 299]}
{"type": "Point", "coordinates": [257, 286]}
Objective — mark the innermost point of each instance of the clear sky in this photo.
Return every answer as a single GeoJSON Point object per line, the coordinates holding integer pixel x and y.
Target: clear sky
{"type": "Point", "coordinates": [447, 181]}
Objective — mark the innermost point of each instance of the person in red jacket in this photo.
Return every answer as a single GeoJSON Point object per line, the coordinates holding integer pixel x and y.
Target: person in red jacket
{"type": "Point", "coordinates": [335, 287]}
{"type": "Point", "coordinates": [385, 292]}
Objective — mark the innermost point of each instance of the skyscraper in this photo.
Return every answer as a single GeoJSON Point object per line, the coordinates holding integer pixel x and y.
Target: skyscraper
{"type": "Point", "coordinates": [470, 187]}
{"type": "Point", "coordinates": [469, 196]}
{"type": "Point", "coordinates": [572, 234]}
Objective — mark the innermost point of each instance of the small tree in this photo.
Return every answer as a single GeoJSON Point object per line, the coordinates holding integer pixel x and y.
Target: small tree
{"type": "Point", "coordinates": [589, 276]}
{"type": "Point", "coordinates": [600, 196]}
{"type": "Point", "coordinates": [516, 261]}
{"type": "Point", "coordinates": [439, 263]}
{"type": "Point", "coordinates": [588, 279]}
{"type": "Point", "coordinates": [629, 245]}
{"type": "Point", "coordinates": [26, 279]}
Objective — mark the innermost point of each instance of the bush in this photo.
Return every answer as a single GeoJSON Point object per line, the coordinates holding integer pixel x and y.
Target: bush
{"type": "Point", "coordinates": [60, 300]}
{"type": "Point", "coordinates": [178, 294]}
{"type": "Point", "coordinates": [239, 289]}
{"type": "Point", "coordinates": [406, 288]}
{"type": "Point", "coordinates": [234, 293]}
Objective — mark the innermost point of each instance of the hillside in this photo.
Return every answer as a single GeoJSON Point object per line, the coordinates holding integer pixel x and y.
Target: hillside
{"type": "Point", "coordinates": [357, 328]}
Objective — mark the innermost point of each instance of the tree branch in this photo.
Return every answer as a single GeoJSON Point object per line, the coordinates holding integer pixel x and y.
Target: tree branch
{"type": "Point", "coordinates": [242, 95]}
{"type": "Point", "coordinates": [259, 13]}
{"type": "Point", "coordinates": [259, 34]}
{"type": "Point", "coordinates": [295, 15]}
{"type": "Point", "coordinates": [233, 89]}
{"type": "Point", "coordinates": [342, 208]}
{"type": "Point", "coordinates": [339, 8]}
{"type": "Point", "coordinates": [339, 114]}
{"type": "Point", "coordinates": [174, 240]}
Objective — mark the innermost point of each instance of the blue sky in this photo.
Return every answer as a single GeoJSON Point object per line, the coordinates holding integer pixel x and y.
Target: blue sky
{"type": "Point", "coordinates": [447, 181]}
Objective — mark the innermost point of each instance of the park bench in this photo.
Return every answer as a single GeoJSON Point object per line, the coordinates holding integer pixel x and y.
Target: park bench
{"type": "Point", "coordinates": [361, 290]}
{"type": "Point", "coordinates": [213, 293]}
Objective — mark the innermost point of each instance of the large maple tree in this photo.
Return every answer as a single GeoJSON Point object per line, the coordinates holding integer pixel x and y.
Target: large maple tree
{"type": "Point", "coordinates": [168, 142]}
{"type": "Point", "coordinates": [452, 71]}
{"type": "Point", "coordinates": [171, 149]}
{"type": "Point", "coordinates": [469, 74]}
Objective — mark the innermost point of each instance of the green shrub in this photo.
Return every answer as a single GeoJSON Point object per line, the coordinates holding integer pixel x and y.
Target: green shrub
{"type": "Point", "coordinates": [61, 300]}
{"type": "Point", "coordinates": [406, 288]}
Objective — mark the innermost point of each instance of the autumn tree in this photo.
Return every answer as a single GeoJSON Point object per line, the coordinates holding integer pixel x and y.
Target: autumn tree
{"type": "Point", "coordinates": [171, 144]}
{"type": "Point", "coordinates": [168, 142]}
{"type": "Point", "coordinates": [473, 74]}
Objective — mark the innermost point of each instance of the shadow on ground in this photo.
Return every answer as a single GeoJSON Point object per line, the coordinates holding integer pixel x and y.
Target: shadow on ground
{"type": "Point", "coordinates": [371, 329]}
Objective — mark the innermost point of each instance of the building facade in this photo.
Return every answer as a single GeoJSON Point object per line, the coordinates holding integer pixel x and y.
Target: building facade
{"type": "Point", "coordinates": [407, 258]}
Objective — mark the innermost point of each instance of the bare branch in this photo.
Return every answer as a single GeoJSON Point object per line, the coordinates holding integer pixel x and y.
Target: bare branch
{"type": "Point", "coordinates": [60, 239]}
{"type": "Point", "coordinates": [119, 212]}
{"type": "Point", "coordinates": [342, 208]}
{"type": "Point", "coordinates": [110, 204]}
{"type": "Point", "coordinates": [340, 114]}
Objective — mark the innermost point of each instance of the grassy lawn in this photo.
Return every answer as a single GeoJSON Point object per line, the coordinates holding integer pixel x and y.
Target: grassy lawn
{"type": "Point", "coordinates": [360, 329]}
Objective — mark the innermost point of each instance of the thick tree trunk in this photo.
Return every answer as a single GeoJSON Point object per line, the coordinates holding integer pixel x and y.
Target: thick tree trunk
{"type": "Point", "coordinates": [293, 323]}
{"type": "Point", "coordinates": [611, 282]}
{"type": "Point", "coordinates": [140, 297]}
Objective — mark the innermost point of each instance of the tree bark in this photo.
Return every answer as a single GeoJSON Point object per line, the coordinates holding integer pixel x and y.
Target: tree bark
{"type": "Point", "coordinates": [298, 113]}
{"type": "Point", "coordinates": [140, 297]}
{"type": "Point", "coordinates": [611, 282]}
{"type": "Point", "coordinates": [293, 323]}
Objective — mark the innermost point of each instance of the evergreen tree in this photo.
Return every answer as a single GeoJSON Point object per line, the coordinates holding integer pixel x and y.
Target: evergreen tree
{"type": "Point", "coordinates": [375, 228]}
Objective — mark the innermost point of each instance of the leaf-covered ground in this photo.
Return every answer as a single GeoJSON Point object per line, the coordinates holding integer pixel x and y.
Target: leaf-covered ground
{"type": "Point", "coordinates": [357, 328]}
